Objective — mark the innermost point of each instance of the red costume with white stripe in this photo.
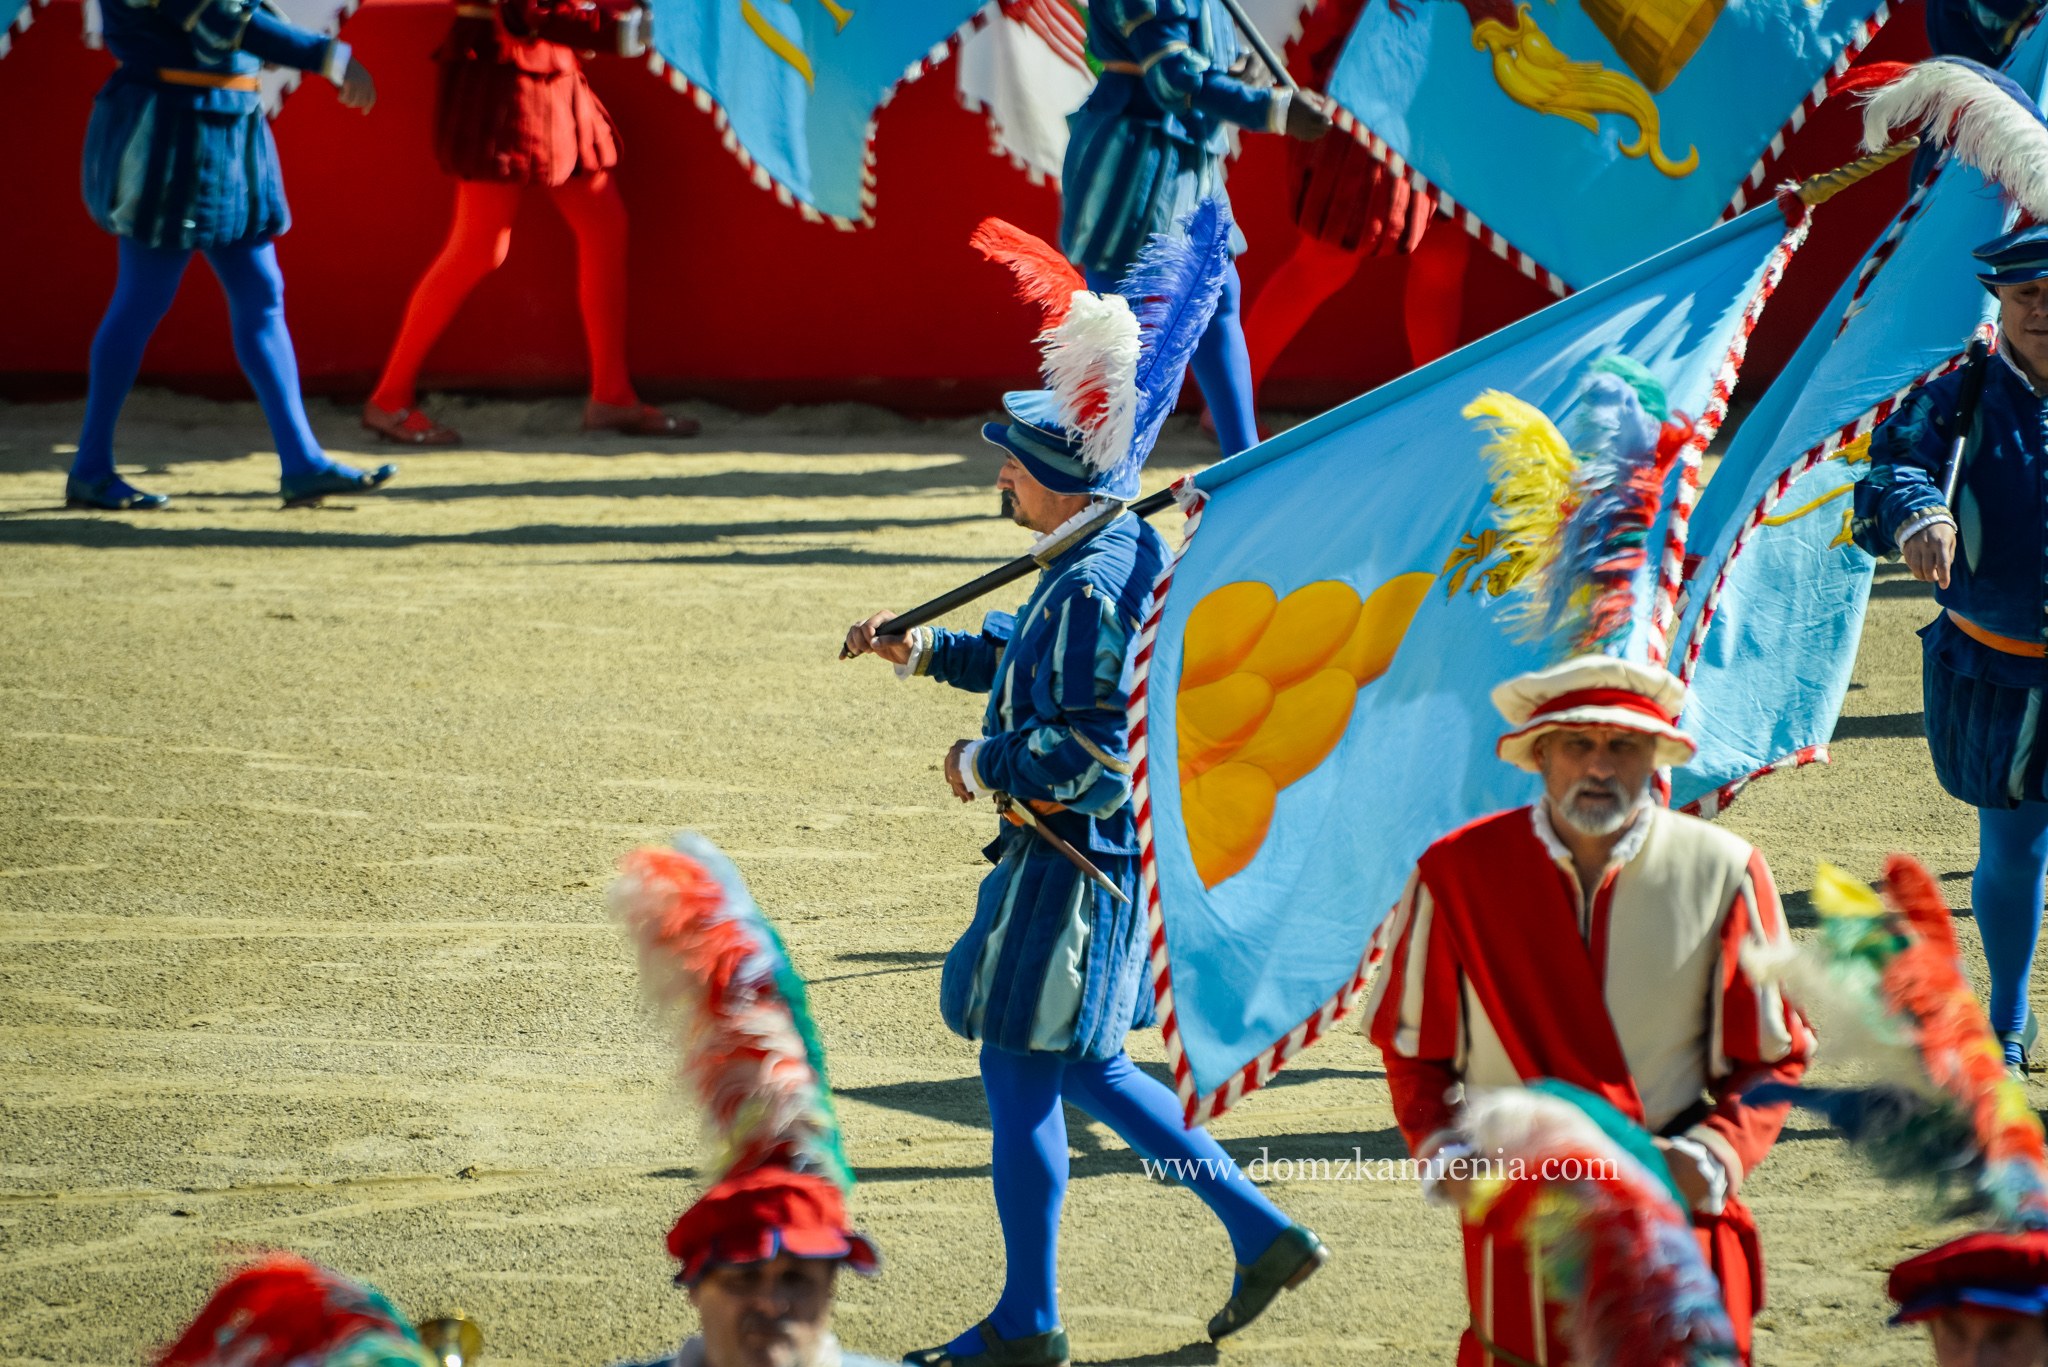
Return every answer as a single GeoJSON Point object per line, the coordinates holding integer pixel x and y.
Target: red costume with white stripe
{"type": "Point", "coordinates": [1499, 971]}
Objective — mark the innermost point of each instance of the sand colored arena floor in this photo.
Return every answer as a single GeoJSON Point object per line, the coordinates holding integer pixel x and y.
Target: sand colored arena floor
{"type": "Point", "coordinates": [305, 823]}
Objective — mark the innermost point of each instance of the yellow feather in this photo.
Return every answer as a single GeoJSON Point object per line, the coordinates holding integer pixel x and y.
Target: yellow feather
{"type": "Point", "coordinates": [1531, 465]}
{"type": "Point", "coordinates": [1837, 892]}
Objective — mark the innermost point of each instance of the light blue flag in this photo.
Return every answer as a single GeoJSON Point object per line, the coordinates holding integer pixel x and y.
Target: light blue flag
{"type": "Point", "coordinates": [15, 17]}
{"type": "Point", "coordinates": [1775, 606]}
{"type": "Point", "coordinates": [1295, 760]}
{"type": "Point", "coordinates": [1594, 133]}
{"type": "Point", "coordinates": [794, 84]}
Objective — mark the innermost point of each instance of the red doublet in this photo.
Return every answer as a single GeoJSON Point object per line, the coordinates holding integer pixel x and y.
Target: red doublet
{"type": "Point", "coordinates": [1497, 972]}
{"type": "Point", "coordinates": [513, 103]}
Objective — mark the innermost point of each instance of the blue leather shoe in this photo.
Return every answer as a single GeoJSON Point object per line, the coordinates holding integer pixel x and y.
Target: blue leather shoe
{"type": "Point", "coordinates": [111, 495]}
{"type": "Point", "coordinates": [307, 490]}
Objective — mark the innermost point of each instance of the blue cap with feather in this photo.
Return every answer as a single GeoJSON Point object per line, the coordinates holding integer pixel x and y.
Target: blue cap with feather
{"type": "Point", "coordinates": [1984, 119]}
{"type": "Point", "coordinates": [1114, 363]}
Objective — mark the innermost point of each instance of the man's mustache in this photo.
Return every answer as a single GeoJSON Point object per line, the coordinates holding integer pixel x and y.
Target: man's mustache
{"type": "Point", "coordinates": [777, 1325]}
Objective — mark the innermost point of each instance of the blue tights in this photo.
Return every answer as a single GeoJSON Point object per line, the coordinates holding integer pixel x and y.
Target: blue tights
{"type": "Point", "coordinates": [2012, 857]}
{"type": "Point", "coordinates": [1025, 1092]}
{"type": "Point", "coordinates": [143, 291]}
{"type": "Point", "coordinates": [1222, 366]}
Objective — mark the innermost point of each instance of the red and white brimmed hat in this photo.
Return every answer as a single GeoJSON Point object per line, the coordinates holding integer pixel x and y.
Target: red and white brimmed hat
{"type": "Point", "coordinates": [1592, 690]}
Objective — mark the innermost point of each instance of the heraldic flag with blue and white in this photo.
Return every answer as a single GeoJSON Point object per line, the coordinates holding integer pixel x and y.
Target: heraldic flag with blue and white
{"type": "Point", "coordinates": [1592, 134]}
{"type": "Point", "coordinates": [1772, 624]}
{"type": "Point", "coordinates": [1312, 705]}
{"type": "Point", "coordinates": [794, 84]}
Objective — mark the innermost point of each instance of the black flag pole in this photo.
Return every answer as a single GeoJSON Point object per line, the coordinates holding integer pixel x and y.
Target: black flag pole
{"type": "Point", "coordinates": [1259, 44]}
{"type": "Point", "coordinates": [1016, 569]}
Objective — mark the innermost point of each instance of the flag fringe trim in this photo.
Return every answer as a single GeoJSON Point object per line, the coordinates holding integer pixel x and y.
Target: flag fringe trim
{"type": "Point", "coordinates": [1718, 801]}
{"type": "Point", "coordinates": [1753, 189]}
{"type": "Point", "coordinates": [19, 24]}
{"type": "Point", "coordinates": [708, 103]}
{"type": "Point", "coordinates": [1488, 236]}
{"type": "Point", "coordinates": [1814, 456]}
{"type": "Point", "coordinates": [1671, 569]}
{"type": "Point", "coordinates": [1498, 243]}
{"type": "Point", "coordinates": [1199, 1107]}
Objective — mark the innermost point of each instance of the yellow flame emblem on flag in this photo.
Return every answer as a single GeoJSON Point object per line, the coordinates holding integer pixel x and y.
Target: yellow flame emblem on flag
{"type": "Point", "coordinates": [1266, 690]}
{"type": "Point", "coordinates": [781, 44]}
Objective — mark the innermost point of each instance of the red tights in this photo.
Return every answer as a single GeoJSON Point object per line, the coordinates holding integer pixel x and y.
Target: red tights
{"type": "Point", "coordinates": [1432, 297]}
{"type": "Point", "coordinates": [477, 243]}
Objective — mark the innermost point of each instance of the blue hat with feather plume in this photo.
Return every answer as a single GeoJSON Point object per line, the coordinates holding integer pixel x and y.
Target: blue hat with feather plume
{"type": "Point", "coordinates": [1114, 363]}
{"type": "Point", "coordinates": [1986, 120]}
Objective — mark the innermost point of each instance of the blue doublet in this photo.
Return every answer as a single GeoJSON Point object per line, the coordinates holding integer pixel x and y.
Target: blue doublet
{"type": "Point", "coordinates": [1148, 145]}
{"type": "Point", "coordinates": [187, 167]}
{"type": "Point", "coordinates": [1051, 962]}
{"type": "Point", "coordinates": [1982, 30]}
{"type": "Point", "coordinates": [1983, 706]}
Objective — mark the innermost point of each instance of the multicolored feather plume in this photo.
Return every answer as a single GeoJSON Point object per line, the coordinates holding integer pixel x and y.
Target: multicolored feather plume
{"type": "Point", "coordinates": [1044, 277]}
{"type": "Point", "coordinates": [285, 1310]}
{"type": "Point", "coordinates": [1981, 116]}
{"type": "Point", "coordinates": [1174, 287]}
{"type": "Point", "coordinates": [1575, 513]}
{"type": "Point", "coordinates": [1885, 976]}
{"type": "Point", "coordinates": [1604, 1229]}
{"type": "Point", "coordinates": [716, 969]}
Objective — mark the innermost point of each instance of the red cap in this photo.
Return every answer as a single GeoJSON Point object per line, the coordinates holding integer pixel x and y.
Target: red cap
{"type": "Point", "coordinates": [1991, 1272]}
{"type": "Point", "coordinates": [754, 1215]}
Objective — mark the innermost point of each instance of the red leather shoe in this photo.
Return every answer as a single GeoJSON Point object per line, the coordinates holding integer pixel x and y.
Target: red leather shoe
{"type": "Point", "coordinates": [636, 420]}
{"type": "Point", "coordinates": [408, 427]}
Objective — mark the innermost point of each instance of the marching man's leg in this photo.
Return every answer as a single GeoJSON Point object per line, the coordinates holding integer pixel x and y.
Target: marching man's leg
{"type": "Point", "coordinates": [1272, 1252]}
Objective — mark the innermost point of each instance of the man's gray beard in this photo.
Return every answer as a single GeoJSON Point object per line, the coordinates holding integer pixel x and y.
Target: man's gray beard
{"type": "Point", "coordinates": [1603, 821]}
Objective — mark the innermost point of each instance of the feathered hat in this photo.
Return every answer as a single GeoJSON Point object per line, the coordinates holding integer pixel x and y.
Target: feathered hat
{"type": "Point", "coordinates": [1113, 363]}
{"type": "Point", "coordinates": [287, 1312]}
{"type": "Point", "coordinates": [1989, 1271]}
{"type": "Point", "coordinates": [1574, 503]}
{"type": "Point", "coordinates": [1984, 119]}
{"type": "Point", "coordinates": [1587, 1192]}
{"type": "Point", "coordinates": [716, 969]}
{"type": "Point", "coordinates": [1886, 978]}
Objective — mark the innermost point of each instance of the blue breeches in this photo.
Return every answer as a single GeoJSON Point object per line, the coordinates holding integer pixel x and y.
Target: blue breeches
{"type": "Point", "coordinates": [143, 291]}
{"type": "Point", "coordinates": [2012, 858]}
{"type": "Point", "coordinates": [1222, 366]}
{"type": "Point", "coordinates": [1025, 1096]}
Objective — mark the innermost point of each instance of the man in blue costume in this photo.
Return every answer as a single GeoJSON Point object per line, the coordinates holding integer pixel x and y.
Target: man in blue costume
{"type": "Point", "coordinates": [178, 159]}
{"type": "Point", "coordinates": [1148, 145]}
{"type": "Point", "coordinates": [1051, 974]}
{"type": "Point", "coordinates": [1986, 655]}
{"type": "Point", "coordinates": [1982, 30]}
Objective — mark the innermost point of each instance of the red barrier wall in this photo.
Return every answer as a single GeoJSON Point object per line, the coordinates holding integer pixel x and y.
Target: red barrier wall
{"type": "Point", "coordinates": [735, 297]}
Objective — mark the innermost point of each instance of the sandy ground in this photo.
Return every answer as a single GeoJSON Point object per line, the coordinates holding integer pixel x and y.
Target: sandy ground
{"type": "Point", "coordinates": [305, 820]}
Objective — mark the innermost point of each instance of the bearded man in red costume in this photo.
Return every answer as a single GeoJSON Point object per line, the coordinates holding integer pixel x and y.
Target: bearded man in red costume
{"type": "Point", "coordinates": [514, 110]}
{"type": "Point", "coordinates": [1601, 939]}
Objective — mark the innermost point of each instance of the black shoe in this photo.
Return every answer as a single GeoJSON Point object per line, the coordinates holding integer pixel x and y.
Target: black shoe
{"type": "Point", "coordinates": [111, 495]}
{"type": "Point", "coordinates": [1040, 1350]}
{"type": "Point", "coordinates": [307, 490]}
{"type": "Point", "coordinates": [1291, 1259]}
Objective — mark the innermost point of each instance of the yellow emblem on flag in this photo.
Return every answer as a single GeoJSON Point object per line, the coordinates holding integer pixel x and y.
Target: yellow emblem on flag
{"type": "Point", "coordinates": [1266, 690]}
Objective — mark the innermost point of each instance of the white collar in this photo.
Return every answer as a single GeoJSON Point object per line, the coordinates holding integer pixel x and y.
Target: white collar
{"type": "Point", "coordinates": [2005, 355]}
{"type": "Point", "coordinates": [691, 1354]}
{"type": "Point", "coordinates": [1628, 847]}
{"type": "Point", "coordinates": [1072, 524]}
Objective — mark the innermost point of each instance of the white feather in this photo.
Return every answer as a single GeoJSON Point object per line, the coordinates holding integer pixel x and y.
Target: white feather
{"type": "Point", "coordinates": [1095, 351]}
{"type": "Point", "coordinates": [1980, 123]}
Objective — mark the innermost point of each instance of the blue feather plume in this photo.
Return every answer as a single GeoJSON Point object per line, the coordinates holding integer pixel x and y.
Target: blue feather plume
{"type": "Point", "coordinates": [1173, 288]}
